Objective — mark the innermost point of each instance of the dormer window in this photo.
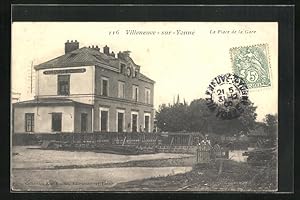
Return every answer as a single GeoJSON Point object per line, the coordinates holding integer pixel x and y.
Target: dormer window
{"type": "Point", "coordinates": [135, 74]}
{"type": "Point", "coordinates": [122, 68]}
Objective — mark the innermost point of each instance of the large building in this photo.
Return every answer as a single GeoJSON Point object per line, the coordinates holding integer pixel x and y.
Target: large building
{"type": "Point", "coordinates": [86, 90]}
{"type": "Point", "coordinates": [15, 97]}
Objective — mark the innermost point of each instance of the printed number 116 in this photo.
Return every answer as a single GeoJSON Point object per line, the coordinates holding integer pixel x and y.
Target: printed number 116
{"type": "Point", "coordinates": [114, 32]}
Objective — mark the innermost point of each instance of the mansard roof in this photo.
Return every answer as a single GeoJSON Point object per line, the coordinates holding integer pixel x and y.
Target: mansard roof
{"type": "Point", "coordinates": [85, 57]}
{"type": "Point", "coordinates": [80, 57]}
{"type": "Point", "coordinates": [145, 78]}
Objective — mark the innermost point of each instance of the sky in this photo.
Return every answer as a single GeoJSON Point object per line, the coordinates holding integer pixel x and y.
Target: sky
{"type": "Point", "coordinates": [183, 61]}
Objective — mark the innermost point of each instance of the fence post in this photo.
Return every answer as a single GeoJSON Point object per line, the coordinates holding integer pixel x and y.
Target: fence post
{"type": "Point", "coordinates": [97, 138]}
{"type": "Point", "coordinates": [172, 140]}
{"type": "Point", "coordinates": [197, 154]}
{"type": "Point", "coordinates": [189, 142]}
{"type": "Point", "coordinates": [124, 140]}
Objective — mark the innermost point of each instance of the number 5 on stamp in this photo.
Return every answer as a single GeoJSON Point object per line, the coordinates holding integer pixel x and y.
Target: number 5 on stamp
{"type": "Point", "coordinates": [252, 64]}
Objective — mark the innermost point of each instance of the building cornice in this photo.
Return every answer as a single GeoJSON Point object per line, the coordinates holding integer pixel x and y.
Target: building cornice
{"type": "Point", "coordinates": [123, 100]}
{"type": "Point", "coordinates": [118, 71]}
{"type": "Point", "coordinates": [97, 97]}
{"type": "Point", "coordinates": [41, 103]}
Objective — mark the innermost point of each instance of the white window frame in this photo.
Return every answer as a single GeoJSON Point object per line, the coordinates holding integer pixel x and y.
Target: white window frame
{"type": "Point", "coordinates": [104, 109]}
{"type": "Point", "coordinates": [149, 115]}
{"type": "Point", "coordinates": [32, 121]}
{"type": "Point", "coordinates": [147, 100]}
{"type": "Point", "coordinates": [107, 79]}
{"type": "Point", "coordinates": [137, 121]}
{"type": "Point", "coordinates": [133, 92]}
{"type": "Point", "coordinates": [121, 95]}
{"type": "Point", "coordinates": [123, 123]}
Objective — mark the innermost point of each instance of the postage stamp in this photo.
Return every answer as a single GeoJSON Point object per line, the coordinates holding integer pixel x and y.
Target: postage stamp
{"type": "Point", "coordinates": [252, 64]}
{"type": "Point", "coordinates": [227, 95]}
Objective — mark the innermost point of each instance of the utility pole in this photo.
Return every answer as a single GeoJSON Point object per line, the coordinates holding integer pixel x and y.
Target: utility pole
{"type": "Point", "coordinates": [30, 79]}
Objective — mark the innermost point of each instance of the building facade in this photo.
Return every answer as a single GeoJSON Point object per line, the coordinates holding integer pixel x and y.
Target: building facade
{"type": "Point", "coordinates": [86, 90]}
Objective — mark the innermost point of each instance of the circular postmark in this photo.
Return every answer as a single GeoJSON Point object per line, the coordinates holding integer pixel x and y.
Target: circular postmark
{"type": "Point", "coordinates": [227, 96]}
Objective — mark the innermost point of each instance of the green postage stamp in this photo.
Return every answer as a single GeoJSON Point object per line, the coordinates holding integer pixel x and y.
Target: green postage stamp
{"type": "Point", "coordinates": [252, 64]}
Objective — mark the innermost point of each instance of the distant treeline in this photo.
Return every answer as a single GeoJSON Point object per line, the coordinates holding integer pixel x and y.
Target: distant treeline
{"type": "Point", "coordinates": [196, 117]}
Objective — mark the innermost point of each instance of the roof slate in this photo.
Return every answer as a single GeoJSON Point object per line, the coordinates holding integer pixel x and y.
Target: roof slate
{"type": "Point", "coordinates": [144, 77]}
{"type": "Point", "coordinates": [85, 57]}
{"type": "Point", "coordinates": [80, 57]}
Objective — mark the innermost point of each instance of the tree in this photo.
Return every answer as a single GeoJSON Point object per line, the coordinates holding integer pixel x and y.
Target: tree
{"type": "Point", "coordinates": [197, 117]}
{"type": "Point", "coordinates": [162, 117]}
{"type": "Point", "coordinates": [172, 117]}
{"type": "Point", "coordinates": [271, 124]}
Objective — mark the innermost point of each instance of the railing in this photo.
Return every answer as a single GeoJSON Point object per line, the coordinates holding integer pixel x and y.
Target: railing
{"type": "Point", "coordinates": [96, 138]}
{"type": "Point", "coordinates": [143, 142]}
{"type": "Point", "coordinates": [165, 141]}
{"type": "Point", "coordinates": [112, 138]}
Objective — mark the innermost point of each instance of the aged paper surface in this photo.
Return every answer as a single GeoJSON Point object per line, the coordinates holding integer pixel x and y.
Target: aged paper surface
{"type": "Point", "coordinates": [144, 106]}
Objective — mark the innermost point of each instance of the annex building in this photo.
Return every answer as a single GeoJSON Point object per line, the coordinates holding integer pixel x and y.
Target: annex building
{"type": "Point", "coordinates": [86, 90]}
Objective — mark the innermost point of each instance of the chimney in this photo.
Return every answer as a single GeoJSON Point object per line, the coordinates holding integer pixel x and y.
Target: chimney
{"type": "Point", "coordinates": [106, 50]}
{"type": "Point", "coordinates": [119, 55]}
{"type": "Point", "coordinates": [97, 48]}
{"type": "Point", "coordinates": [112, 54]}
{"type": "Point", "coordinates": [71, 46]}
{"type": "Point", "coordinates": [124, 55]}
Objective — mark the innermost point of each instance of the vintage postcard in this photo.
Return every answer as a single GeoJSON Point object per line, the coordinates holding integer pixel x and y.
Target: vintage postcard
{"type": "Point", "coordinates": [144, 106]}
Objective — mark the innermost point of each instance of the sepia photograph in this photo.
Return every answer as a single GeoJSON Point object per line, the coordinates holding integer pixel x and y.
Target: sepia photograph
{"type": "Point", "coordinates": [144, 106]}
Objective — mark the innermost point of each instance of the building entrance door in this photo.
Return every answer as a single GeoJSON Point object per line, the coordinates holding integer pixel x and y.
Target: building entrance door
{"type": "Point", "coordinates": [147, 124]}
{"type": "Point", "coordinates": [120, 121]}
{"type": "Point", "coordinates": [134, 123]}
{"type": "Point", "coordinates": [56, 122]}
{"type": "Point", "coordinates": [104, 120]}
{"type": "Point", "coordinates": [83, 122]}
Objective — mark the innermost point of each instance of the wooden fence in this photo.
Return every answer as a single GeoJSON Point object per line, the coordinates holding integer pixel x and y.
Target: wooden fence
{"type": "Point", "coordinates": [145, 142]}
{"type": "Point", "coordinates": [90, 138]}
{"type": "Point", "coordinates": [125, 138]}
{"type": "Point", "coordinates": [205, 153]}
